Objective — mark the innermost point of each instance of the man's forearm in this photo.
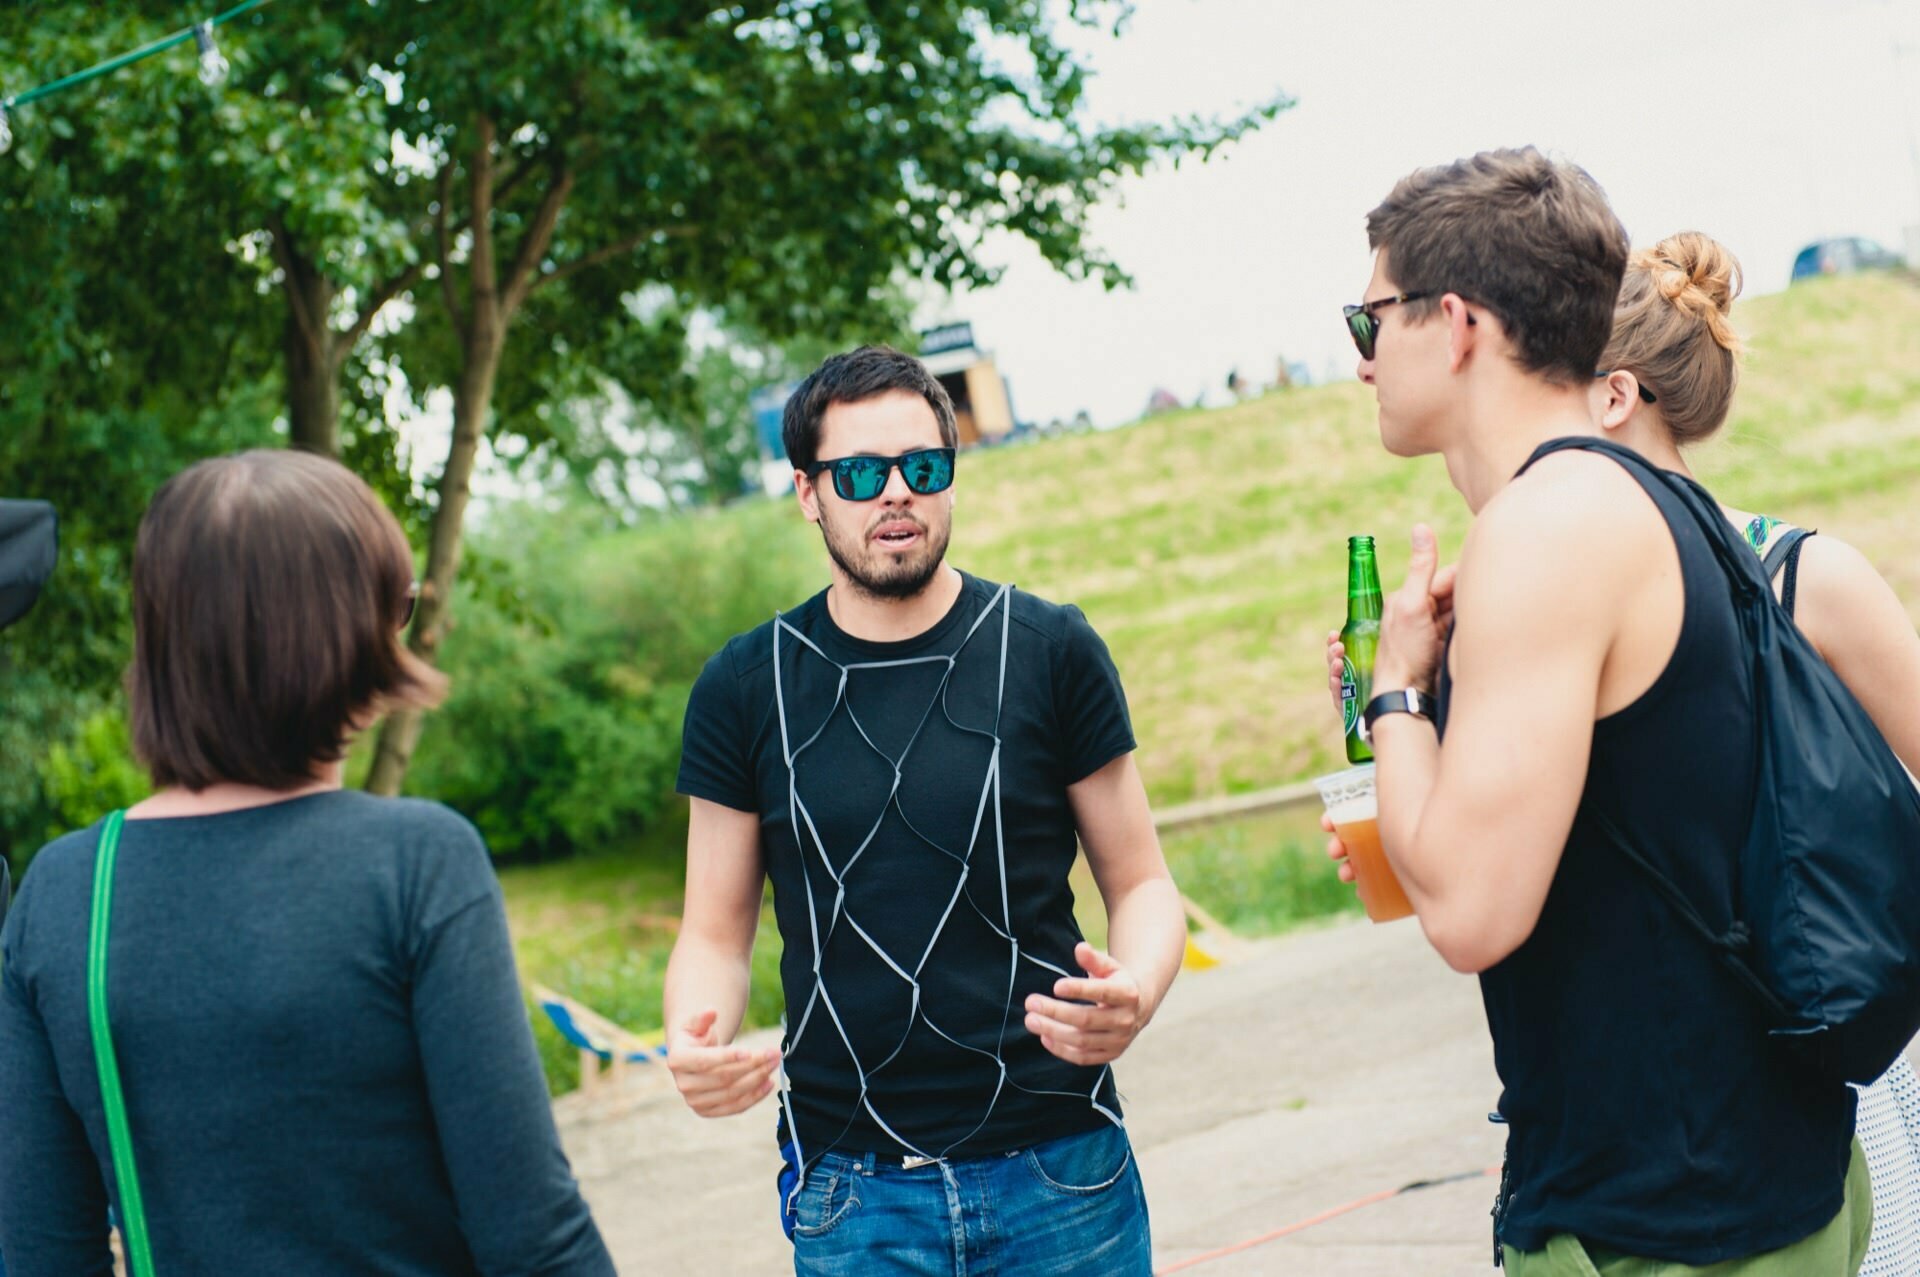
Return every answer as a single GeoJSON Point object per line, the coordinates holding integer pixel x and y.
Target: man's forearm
{"type": "Point", "coordinates": [1147, 934]}
{"type": "Point", "coordinates": [1457, 890]}
{"type": "Point", "coordinates": [1406, 765]}
{"type": "Point", "coordinates": [704, 974]}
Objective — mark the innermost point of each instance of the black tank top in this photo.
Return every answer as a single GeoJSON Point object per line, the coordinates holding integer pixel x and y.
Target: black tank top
{"type": "Point", "coordinates": [1647, 1111]}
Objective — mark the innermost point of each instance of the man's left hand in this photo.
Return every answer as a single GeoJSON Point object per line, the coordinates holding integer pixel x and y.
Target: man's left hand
{"type": "Point", "coordinates": [1415, 621]}
{"type": "Point", "coordinates": [1089, 1021]}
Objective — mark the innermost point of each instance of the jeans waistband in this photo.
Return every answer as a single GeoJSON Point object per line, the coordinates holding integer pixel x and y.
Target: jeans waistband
{"type": "Point", "coordinates": [868, 1163]}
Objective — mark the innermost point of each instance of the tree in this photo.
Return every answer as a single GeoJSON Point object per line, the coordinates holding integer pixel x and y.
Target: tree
{"type": "Point", "coordinates": [421, 183]}
{"type": "Point", "coordinates": [104, 392]}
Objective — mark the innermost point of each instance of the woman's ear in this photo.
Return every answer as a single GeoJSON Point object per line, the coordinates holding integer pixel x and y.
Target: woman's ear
{"type": "Point", "coordinates": [1618, 396]}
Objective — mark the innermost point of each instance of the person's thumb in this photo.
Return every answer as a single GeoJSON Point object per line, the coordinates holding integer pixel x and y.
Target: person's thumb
{"type": "Point", "coordinates": [1426, 557]}
{"type": "Point", "coordinates": [699, 1028]}
{"type": "Point", "coordinates": [1095, 963]}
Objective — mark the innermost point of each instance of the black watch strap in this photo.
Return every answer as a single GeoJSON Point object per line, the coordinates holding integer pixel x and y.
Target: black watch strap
{"type": "Point", "coordinates": [1406, 700]}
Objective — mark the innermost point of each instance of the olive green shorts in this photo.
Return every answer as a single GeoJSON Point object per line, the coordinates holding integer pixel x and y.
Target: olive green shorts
{"type": "Point", "coordinates": [1834, 1251]}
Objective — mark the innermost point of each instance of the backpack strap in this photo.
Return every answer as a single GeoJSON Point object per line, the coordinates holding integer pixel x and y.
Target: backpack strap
{"type": "Point", "coordinates": [133, 1213]}
{"type": "Point", "coordinates": [1732, 947]}
{"type": "Point", "coordinates": [1785, 553]}
{"type": "Point", "coordinates": [1731, 550]}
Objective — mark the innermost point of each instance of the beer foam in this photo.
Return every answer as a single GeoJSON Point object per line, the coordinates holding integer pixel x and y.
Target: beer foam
{"type": "Point", "coordinates": [1351, 811]}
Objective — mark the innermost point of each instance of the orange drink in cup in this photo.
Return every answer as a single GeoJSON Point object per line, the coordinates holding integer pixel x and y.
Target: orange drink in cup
{"type": "Point", "coordinates": [1349, 799]}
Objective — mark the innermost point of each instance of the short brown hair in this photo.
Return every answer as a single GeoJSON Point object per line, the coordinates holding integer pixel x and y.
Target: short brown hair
{"type": "Point", "coordinates": [1530, 238]}
{"type": "Point", "coordinates": [269, 591]}
{"type": "Point", "coordinates": [852, 377]}
{"type": "Point", "coordinates": [1672, 331]}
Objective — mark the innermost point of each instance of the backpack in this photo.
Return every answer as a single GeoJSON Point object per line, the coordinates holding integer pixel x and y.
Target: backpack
{"type": "Point", "coordinates": [1826, 908]}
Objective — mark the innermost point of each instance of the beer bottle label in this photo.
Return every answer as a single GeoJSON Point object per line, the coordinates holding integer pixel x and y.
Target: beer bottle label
{"type": "Point", "coordinates": [1349, 696]}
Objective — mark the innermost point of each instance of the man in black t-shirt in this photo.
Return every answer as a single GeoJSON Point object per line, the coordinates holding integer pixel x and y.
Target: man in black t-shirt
{"type": "Point", "coordinates": [912, 756]}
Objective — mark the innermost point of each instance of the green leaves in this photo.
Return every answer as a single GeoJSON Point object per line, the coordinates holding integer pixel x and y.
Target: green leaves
{"type": "Point", "coordinates": [573, 661]}
{"type": "Point", "coordinates": [670, 191]}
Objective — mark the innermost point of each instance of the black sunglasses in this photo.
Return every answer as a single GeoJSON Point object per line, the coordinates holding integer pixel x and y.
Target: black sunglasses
{"type": "Point", "coordinates": [1645, 394]}
{"type": "Point", "coordinates": [926, 470]}
{"type": "Point", "coordinates": [1362, 325]}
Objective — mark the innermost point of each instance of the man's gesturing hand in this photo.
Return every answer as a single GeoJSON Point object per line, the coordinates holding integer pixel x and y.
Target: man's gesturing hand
{"type": "Point", "coordinates": [1415, 620]}
{"type": "Point", "coordinates": [716, 1080]}
{"type": "Point", "coordinates": [1089, 1021]}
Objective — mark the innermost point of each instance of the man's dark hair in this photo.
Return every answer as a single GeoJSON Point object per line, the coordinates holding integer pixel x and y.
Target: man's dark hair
{"type": "Point", "coordinates": [269, 591]}
{"type": "Point", "coordinates": [852, 377]}
{"type": "Point", "coordinates": [1531, 239]}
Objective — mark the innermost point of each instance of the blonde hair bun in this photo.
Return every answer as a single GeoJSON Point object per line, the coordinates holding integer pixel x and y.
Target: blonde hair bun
{"type": "Point", "coordinates": [1672, 330]}
{"type": "Point", "coordinates": [1697, 274]}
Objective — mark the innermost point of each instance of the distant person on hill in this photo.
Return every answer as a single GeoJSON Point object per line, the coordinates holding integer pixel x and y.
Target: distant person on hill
{"type": "Point", "coordinates": [324, 1056]}
{"type": "Point", "coordinates": [1670, 369]}
{"type": "Point", "coordinates": [1585, 662]}
{"type": "Point", "coordinates": [912, 755]}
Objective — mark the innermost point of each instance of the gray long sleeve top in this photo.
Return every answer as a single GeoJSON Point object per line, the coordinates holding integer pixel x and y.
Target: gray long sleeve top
{"type": "Point", "coordinates": [325, 1056]}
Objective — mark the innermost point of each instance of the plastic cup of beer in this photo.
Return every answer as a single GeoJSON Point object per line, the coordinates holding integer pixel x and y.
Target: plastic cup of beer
{"type": "Point", "coordinates": [1348, 796]}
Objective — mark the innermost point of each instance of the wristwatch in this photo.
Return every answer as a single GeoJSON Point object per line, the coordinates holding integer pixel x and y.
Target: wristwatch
{"type": "Point", "coordinates": [1408, 700]}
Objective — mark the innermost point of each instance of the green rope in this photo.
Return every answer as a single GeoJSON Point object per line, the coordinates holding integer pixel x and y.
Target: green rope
{"type": "Point", "coordinates": [126, 59]}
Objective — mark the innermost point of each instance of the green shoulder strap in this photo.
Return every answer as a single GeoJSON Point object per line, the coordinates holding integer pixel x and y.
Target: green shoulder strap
{"type": "Point", "coordinates": [133, 1214]}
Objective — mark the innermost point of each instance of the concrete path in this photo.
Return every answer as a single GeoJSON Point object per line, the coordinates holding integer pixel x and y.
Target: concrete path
{"type": "Point", "coordinates": [1325, 1067]}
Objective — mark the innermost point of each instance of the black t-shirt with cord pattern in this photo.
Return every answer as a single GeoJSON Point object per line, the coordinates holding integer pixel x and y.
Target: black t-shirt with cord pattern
{"type": "Point", "coordinates": [919, 848]}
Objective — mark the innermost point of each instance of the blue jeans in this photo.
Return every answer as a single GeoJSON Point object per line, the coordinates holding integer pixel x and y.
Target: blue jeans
{"type": "Point", "coordinates": [1071, 1207]}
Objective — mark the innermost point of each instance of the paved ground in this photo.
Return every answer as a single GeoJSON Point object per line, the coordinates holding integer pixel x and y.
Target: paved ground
{"type": "Point", "coordinates": [1325, 1067]}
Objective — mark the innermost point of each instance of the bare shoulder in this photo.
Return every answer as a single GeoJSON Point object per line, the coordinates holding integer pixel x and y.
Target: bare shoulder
{"type": "Point", "coordinates": [1572, 507]}
{"type": "Point", "coordinates": [1834, 567]}
{"type": "Point", "coordinates": [1838, 585]}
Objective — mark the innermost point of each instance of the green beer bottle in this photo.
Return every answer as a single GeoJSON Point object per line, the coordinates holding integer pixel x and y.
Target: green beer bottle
{"type": "Point", "coordinates": [1359, 637]}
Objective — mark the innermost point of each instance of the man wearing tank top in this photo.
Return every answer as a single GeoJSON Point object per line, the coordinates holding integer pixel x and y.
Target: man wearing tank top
{"type": "Point", "coordinates": [1582, 657]}
{"type": "Point", "coordinates": [913, 756]}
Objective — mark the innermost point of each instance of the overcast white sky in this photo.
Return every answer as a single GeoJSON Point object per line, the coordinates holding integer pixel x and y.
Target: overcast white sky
{"type": "Point", "coordinates": [1765, 123]}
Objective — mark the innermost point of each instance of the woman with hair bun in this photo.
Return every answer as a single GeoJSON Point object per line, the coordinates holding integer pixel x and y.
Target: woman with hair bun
{"type": "Point", "coordinates": [1668, 379]}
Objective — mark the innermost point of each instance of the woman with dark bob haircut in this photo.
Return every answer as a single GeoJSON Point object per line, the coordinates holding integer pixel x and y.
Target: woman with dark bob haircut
{"type": "Point", "coordinates": [324, 1057]}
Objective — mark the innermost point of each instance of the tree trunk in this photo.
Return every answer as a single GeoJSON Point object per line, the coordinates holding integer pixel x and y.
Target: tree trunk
{"type": "Point", "coordinates": [472, 406]}
{"type": "Point", "coordinates": [313, 392]}
{"type": "Point", "coordinates": [483, 334]}
{"type": "Point", "coordinates": [313, 396]}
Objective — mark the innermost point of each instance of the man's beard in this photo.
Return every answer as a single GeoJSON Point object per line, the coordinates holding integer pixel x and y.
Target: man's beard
{"type": "Point", "coordinates": [880, 575]}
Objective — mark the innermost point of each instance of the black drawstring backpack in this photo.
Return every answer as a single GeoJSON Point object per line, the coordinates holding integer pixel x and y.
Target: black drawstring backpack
{"type": "Point", "coordinates": [1826, 909]}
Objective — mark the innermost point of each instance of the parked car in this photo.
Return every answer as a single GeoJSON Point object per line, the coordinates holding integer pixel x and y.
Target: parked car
{"type": "Point", "coordinates": [1842, 257]}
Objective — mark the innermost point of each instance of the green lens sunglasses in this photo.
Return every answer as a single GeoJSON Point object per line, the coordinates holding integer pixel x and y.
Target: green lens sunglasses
{"type": "Point", "coordinates": [1362, 324]}
{"type": "Point", "coordinates": [926, 470]}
